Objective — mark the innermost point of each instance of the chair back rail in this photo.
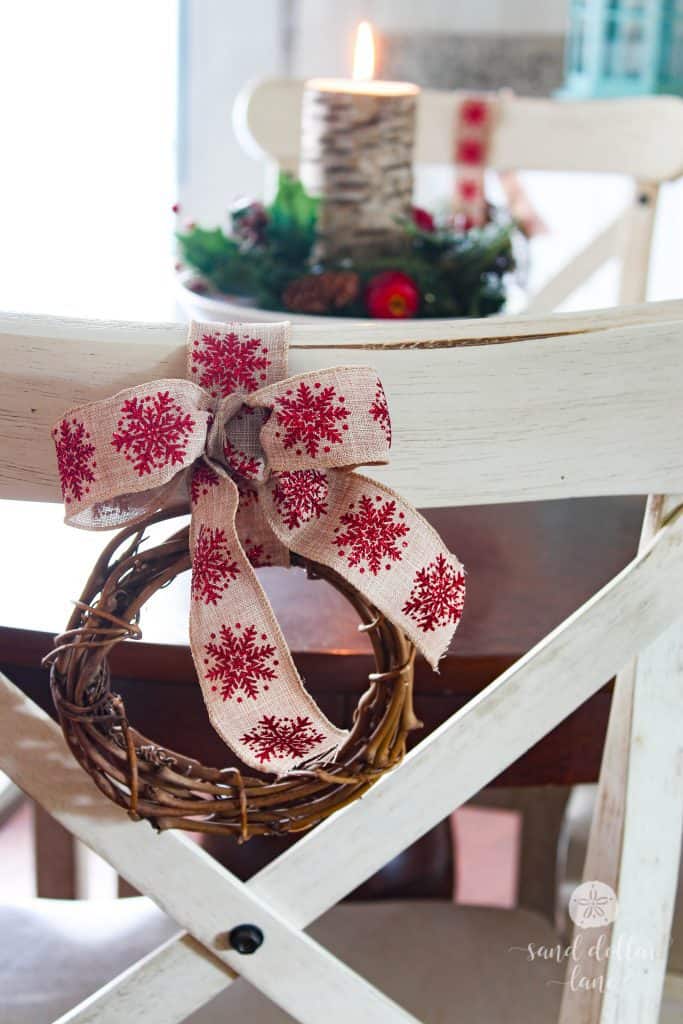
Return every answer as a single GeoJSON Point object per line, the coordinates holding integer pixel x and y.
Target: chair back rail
{"type": "Point", "coordinates": [492, 410]}
{"type": "Point", "coordinates": [489, 411]}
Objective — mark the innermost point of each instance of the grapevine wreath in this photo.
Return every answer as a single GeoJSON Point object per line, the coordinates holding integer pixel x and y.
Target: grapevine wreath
{"type": "Point", "coordinates": [266, 464]}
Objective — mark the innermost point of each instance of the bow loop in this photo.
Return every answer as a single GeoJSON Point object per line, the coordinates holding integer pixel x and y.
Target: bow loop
{"type": "Point", "coordinates": [124, 457]}
{"type": "Point", "coordinates": [325, 419]}
{"type": "Point", "coordinates": [266, 463]}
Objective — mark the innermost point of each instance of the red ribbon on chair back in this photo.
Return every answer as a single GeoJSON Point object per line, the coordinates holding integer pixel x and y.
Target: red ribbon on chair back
{"type": "Point", "coordinates": [266, 463]}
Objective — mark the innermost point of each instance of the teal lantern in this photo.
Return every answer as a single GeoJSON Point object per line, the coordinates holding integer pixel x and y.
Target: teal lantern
{"type": "Point", "coordinates": [624, 48]}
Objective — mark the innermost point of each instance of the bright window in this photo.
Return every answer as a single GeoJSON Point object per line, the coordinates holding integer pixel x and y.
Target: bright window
{"type": "Point", "coordinates": [87, 172]}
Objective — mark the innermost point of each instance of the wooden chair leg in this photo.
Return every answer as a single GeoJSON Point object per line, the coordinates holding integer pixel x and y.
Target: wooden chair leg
{"type": "Point", "coordinates": [56, 874]}
{"type": "Point", "coordinates": [424, 870]}
{"type": "Point", "coordinates": [637, 243]}
{"type": "Point", "coordinates": [636, 829]}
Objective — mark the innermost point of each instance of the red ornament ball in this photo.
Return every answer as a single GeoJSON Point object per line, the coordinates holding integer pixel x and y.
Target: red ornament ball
{"type": "Point", "coordinates": [423, 219]}
{"type": "Point", "coordinates": [392, 294]}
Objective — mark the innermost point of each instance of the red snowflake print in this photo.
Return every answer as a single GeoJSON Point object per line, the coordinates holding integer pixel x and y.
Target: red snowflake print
{"type": "Point", "coordinates": [212, 566]}
{"type": "Point", "coordinates": [248, 494]}
{"type": "Point", "coordinates": [240, 462]}
{"type": "Point", "coordinates": [310, 417]}
{"type": "Point", "coordinates": [372, 534]}
{"type": "Point", "coordinates": [275, 737]}
{"type": "Point", "coordinates": [379, 410]}
{"type": "Point", "coordinates": [226, 363]}
{"type": "Point", "coordinates": [238, 663]}
{"type": "Point", "coordinates": [256, 554]}
{"type": "Point", "coordinates": [437, 596]}
{"type": "Point", "coordinates": [203, 478]}
{"type": "Point", "coordinates": [301, 496]}
{"type": "Point", "coordinates": [153, 432]}
{"type": "Point", "coordinates": [75, 460]}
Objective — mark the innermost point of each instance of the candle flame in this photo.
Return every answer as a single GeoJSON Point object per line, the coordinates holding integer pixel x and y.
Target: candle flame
{"type": "Point", "coordinates": [364, 53]}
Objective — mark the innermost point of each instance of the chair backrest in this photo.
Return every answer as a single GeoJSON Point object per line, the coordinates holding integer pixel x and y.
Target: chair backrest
{"type": "Point", "coordinates": [641, 138]}
{"type": "Point", "coordinates": [494, 410]}
{"type": "Point", "coordinates": [485, 411]}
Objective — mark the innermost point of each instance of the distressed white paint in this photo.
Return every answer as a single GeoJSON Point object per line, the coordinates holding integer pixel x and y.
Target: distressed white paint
{"type": "Point", "coordinates": [203, 897]}
{"type": "Point", "coordinates": [514, 420]}
{"type": "Point", "coordinates": [460, 757]}
{"type": "Point", "coordinates": [636, 829]}
{"type": "Point", "coordinates": [546, 391]}
{"type": "Point", "coordinates": [636, 244]}
{"type": "Point", "coordinates": [651, 843]}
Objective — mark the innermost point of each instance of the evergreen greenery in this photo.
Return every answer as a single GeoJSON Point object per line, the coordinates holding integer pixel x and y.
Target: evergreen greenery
{"type": "Point", "coordinates": [458, 273]}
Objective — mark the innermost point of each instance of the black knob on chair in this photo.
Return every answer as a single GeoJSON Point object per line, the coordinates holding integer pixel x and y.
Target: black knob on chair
{"type": "Point", "coordinates": [246, 938]}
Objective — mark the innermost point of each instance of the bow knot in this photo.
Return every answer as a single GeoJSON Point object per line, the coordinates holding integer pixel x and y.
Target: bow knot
{"type": "Point", "coordinates": [233, 440]}
{"type": "Point", "coordinates": [267, 465]}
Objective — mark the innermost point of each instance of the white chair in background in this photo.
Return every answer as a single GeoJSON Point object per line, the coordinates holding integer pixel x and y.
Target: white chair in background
{"type": "Point", "coordinates": [640, 138]}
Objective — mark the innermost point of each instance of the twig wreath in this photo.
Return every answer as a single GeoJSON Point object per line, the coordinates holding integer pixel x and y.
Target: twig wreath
{"type": "Point", "coordinates": [266, 464]}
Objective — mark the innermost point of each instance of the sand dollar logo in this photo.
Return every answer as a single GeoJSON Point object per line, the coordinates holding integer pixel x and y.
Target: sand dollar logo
{"type": "Point", "coordinates": [593, 905]}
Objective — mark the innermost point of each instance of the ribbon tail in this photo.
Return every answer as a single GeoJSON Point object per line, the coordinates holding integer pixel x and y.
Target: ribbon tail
{"type": "Point", "coordinates": [254, 695]}
{"type": "Point", "coordinates": [379, 543]}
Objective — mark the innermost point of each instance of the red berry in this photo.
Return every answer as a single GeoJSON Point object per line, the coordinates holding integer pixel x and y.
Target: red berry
{"type": "Point", "coordinates": [423, 219]}
{"type": "Point", "coordinates": [392, 294]}
{"type": "Point", "coordinates": [176, 207]}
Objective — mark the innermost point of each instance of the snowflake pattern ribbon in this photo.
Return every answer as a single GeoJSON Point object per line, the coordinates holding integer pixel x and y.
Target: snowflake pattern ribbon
{"type": "Point", "coordinates": [266, 464]}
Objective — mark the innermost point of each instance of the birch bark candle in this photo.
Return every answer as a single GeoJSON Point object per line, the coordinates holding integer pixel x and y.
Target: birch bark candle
{"type": "Point", "coordinates": [357, 140]}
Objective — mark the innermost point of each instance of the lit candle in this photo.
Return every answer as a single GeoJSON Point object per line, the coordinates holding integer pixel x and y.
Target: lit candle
{"type": "Point", "coordinates": [357, 155]}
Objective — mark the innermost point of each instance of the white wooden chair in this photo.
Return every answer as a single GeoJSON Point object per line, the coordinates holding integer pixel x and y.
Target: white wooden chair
{"type": "Point", "coordinates": [485, 411]}
{"type": "Point", "coordinates": [640, 138]}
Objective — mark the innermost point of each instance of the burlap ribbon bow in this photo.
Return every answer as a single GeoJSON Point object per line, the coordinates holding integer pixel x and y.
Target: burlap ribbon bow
{"type": "Point", "coordinates": [266, 462]}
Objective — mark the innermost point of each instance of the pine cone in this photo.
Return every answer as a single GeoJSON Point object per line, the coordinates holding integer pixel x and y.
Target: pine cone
{"type": "Point", "coordinates": [318, 293]}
